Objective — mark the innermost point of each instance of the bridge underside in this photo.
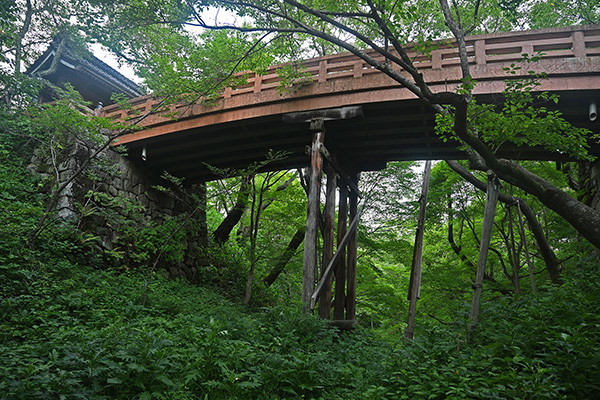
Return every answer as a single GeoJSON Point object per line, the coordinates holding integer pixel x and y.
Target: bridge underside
{"type": "Point", "coordinates": [386, 131]}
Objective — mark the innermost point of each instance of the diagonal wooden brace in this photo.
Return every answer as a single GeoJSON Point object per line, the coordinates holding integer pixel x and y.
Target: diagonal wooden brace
{"type": "Point", "coordinates": [327, 273]}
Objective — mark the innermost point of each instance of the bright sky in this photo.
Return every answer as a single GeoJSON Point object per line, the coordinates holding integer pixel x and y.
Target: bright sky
{"type": "Point", "coordinates": [109, 58]}
{"type": "Point", "coordinates": [210, 15]}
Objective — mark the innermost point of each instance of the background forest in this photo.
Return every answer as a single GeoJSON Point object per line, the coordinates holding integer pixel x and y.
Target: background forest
{"type": "Point", "coordinates": [81, 320]}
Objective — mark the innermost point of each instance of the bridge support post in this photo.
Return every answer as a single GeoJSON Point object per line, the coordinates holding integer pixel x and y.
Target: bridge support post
{"type": "Point", "coordinates": [486, 234]}
{"type": "Point", "coordinates": [312, 215]}
{"type": "Point", "coordinates": [328, 240]}
{"type": "Point", "coordinates": [339, 307]}
{"type": "Point", "coordinates": [414, 286]}
{"type": "Point", "coordinates": [352, 254]}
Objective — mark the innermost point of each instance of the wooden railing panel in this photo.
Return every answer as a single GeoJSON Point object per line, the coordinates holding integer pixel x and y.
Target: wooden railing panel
{"type": "Point", "coordinates": [481, 50]}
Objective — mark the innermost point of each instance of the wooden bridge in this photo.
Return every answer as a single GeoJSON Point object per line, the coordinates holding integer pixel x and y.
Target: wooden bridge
{"type": "Point", "coordinates": [370, 120]}
{"type": "Point", "coordinates": [247, 121]}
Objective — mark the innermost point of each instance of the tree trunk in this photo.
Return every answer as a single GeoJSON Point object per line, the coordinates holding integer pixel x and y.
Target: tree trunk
{"type": "Point", "coordinates": [221, 234]}
{"type": "Point", "coordinates": [514, 253]}
{"type": "Point", "coordinates": [527, 257]}
{"type": "Point", "coordinates": [458, 251]}
{"type": "Point", "coordinates": [285, 257]}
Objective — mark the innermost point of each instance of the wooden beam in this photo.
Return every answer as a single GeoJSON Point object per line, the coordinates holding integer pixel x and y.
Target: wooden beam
{"type": "Point", "coordinates": [343, 324]}
{"type": "Point", "coordinates": [347, 238]}
{"type": "Point", "coordinates": [339, 305]}
{"type": "Point", "coordinates": [312, 215]}
{"type": "Point", "coordinates": [491, 200]}
{"type": "Point", "coordinates": [326, 114]}
{"type": "Point", "coordinates": [414, 287]}
{"type": "Point", "coordinates": [340, 171]}
{"type": "Point", "coordinates": [328, 239]}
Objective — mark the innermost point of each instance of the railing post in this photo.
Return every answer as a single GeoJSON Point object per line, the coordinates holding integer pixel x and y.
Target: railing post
{"type": "Point", "coordinates": [527, 49]}
{"type": "Point", "coordinates": [358, 69]}
{"type": "Point", "coordinates": [322, 71]}
{"type": "Point", "coordinates": [436, 59]}
{"type": "Point", "coordinates": [257, 83]}
{"type": "Point", "coordinates": [480, 52]}
{"type": "Point", "coordinates": [579, 49]}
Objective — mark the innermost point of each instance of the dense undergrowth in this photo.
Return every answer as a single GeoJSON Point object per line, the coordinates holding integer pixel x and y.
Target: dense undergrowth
{"type": "Point", "coordinates": [72, 331]}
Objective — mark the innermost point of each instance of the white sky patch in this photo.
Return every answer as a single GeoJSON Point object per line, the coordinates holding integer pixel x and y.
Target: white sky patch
{"type": "Point", "coordinates": [111, 59]}
{"type": "Point", "coordinates": [212, 16]}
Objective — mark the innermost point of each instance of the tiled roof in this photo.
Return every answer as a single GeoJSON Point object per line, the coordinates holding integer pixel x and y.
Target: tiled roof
{"type": "Point", "coordinates": [85, 61]}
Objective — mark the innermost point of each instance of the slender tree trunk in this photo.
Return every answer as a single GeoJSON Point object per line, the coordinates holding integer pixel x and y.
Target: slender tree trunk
{"type": "Point", "coordinates": [515, 259]}
{"type": "Point", "coordinates": [285, 257]}
{"type": "Point", "coordinates": [540, 237]}
{"type": "Point", "coordinates": [527, 257]}
{"type": "Point", "coordinates": [458, 251]}
{"type": "Point", "coordinates": [221, 234]}
{"type": "Point", "coordinates": [254, 217]}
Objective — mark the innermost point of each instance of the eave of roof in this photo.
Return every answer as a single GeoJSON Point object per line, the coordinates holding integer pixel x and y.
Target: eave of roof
{"type": "Point", "coordinates": [91, 65]}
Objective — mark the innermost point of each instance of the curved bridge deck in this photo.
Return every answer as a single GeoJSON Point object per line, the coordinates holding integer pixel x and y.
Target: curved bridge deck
{"type": "Point", "coordinates": [248, 121]}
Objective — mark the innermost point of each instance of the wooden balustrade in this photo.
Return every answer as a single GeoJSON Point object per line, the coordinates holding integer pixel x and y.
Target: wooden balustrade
{"type": "Point", "coordinates": [570, 42]}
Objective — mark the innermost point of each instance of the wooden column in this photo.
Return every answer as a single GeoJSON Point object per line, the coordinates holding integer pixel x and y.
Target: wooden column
{"type": "Point", "coordinates": [352, 257]}
{"type": "Point", "coordinates": [312, 214]}
{"type": "Point", "coordinates": [328, 239]}
{"type": "Point", "coordinates": [491, 200]}
{"type": "Point", "coordinates": [414, 287]}
{"type": "Point", "coordinates": [340, 269]}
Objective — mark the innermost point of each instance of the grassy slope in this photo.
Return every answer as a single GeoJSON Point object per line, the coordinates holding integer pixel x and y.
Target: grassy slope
{"type": "Point", "coordinates": [72, 331]}
{"type": "Point", "coordinates": [69, 330]}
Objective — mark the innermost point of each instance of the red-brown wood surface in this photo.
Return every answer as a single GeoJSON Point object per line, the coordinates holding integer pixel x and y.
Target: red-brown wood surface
{"type": "Point", "coordinates": [245, 122]}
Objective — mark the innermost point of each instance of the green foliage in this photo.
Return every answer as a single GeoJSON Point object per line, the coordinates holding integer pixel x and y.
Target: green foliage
{"type": "Point", "coordinates": [524, 118]}
{"type": "Point", "coordinates": [292, 77]}
{"type": "Point", "coordinates": [72, 331]}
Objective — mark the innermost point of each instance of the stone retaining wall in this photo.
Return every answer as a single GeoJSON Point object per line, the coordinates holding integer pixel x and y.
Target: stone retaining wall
{"type": "Point", "coordinates": [133, 199]}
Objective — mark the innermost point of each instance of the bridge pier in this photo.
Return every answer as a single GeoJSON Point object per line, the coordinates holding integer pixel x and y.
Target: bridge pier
{"type": "Point", "coordinates": [313, 214]}
{"type": "Point", "coordinates": [342, 264]}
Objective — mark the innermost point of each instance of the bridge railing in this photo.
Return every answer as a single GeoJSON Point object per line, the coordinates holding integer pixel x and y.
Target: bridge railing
{"type": "Point", "coordinates": [556, 43]}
